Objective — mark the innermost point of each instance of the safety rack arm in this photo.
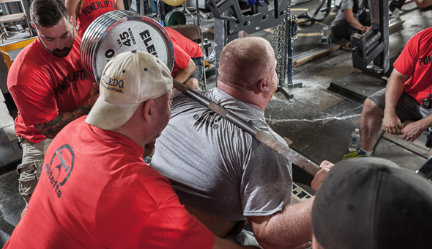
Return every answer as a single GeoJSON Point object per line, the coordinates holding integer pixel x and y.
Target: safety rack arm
{"type": "Point", "coordinates": [374, 44]}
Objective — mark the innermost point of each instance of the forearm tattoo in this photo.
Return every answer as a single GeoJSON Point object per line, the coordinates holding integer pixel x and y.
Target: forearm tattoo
{"type": "Point", "coordinates": [51, 128]}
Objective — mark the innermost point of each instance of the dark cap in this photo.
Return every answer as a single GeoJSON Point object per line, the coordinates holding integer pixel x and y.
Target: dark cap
{"type": "Point", "coordinates": [371, 203]}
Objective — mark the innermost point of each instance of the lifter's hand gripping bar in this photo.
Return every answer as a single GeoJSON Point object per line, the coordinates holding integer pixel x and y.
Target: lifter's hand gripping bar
{"type": "Point", "coordinates": [293, 156]}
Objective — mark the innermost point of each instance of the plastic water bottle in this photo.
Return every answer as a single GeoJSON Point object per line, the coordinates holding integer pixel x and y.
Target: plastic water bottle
{"type": "Point", "coordinates": [354, 143]}
{"type": "Point", "coordinates": [325, 35]}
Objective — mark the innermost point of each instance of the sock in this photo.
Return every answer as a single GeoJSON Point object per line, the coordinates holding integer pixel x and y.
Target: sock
{"type": "Point", "coordinates": [367, 153]}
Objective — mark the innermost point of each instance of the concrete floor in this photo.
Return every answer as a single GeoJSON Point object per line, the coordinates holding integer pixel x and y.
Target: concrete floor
{"type": "Point", "coordinates": [318, 121]}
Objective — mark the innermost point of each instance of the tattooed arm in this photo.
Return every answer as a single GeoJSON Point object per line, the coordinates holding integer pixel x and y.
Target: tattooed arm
{"type": "Point", "coordinates": [51, 128]}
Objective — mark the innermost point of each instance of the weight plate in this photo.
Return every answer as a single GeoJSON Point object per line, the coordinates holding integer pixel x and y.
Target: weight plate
{"type": "Point", "coordinates": [175, 17]}
{"type": "Point", "coordinates": [174, 2]}
{"type": "Point", "coordinates": [120, 31]}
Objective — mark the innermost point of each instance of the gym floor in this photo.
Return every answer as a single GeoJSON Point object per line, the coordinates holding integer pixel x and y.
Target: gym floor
{"type": "Point", "coordinates": [317, 120]}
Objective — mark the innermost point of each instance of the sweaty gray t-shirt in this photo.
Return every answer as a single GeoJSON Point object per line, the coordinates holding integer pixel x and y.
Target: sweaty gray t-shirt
{"type": "Point", "coordinates": [348, 4]}
{"type": "Point", "coordinates": [218, 168]}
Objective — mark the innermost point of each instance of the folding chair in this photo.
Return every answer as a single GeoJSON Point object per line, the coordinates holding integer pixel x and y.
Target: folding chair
{"type": "Point", "coordinates": [7, 20]}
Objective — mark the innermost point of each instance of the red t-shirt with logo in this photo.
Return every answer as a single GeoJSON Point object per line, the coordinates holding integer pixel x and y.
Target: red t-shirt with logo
{"type": "Point", "coordinates": [43, 85]}
{"type": "Point", "coordinates": [91, 10]}
{"type": "Point", "coordinates": [416, 61]}
{"type": "Point", "coordinates": [184, 50]}
{"type": "Point", "coordinates": [95, 191]}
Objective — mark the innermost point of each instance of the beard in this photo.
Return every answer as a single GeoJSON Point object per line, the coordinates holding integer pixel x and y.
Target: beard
{"type": "Point", "coordinates": [61, 52]}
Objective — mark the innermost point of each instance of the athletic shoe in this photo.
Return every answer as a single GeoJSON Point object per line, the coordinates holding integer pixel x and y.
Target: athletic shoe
{"type": "Point", "coordinates": [212, 57]}
{"type": "Point", "coordinates": [357, 153]}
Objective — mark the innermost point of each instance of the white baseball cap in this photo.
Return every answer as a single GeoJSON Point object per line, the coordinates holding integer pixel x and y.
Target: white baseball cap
{"type": "Point", "coordinates": [128, 79]}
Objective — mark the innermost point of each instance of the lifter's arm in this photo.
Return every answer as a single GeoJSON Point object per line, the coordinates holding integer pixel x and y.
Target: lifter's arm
{"type": "Point", "coordinates": [73, 7]}
{"type": "Point", "coordinates": [51, 128]}
{"type": "Point", "coordinates": [353, 22]}
{"type": "Point", "coordinates": [120, 4]}
{"type": "Point", "coordinates": [292, 227]}
{"type": "Point", "coordinates": [391, 122]}
{"type": "Point", "coordinates": [286, 229]}
{"type": "Point", "coordinates": [394, 89]}
{"type": "Point", "coordinates": [183, 75]}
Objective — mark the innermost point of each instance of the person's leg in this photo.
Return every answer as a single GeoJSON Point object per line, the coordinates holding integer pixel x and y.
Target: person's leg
{"type": "Point", "coordinates": [197, 75]}
{"type": "Point", "coordinates": [396, 4]}
{"type": "Point", "coordinates": [340, 31]}
{"type": "Point", "coordinates": [370, 124]}
{"type": "Point", "coordinates": [407, 108]}
{"type": "Point", "coordinates": [30, 168]}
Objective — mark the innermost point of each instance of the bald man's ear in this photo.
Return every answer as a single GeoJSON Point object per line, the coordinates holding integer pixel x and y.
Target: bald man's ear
{"type": "Point", "coordinates": [242, 34]}
{"type": "Point", "coordinates": [263, 85]}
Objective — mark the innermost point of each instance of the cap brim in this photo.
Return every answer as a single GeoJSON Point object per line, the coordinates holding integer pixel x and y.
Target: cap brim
{"type": "Point", "coordinates": [109, 116]}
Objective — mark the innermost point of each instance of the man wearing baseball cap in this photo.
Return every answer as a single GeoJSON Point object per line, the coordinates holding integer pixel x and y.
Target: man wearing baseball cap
{"type": "Point", "coordinates": [95, 190]}
{"type": "Point", "coordinates": [371, 203]}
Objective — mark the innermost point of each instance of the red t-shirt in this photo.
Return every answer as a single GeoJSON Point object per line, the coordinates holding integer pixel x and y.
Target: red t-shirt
{"type": "Point", "coordinates": [95, 191]}
{"type": "Point", "coordinates": [416, 61]}
{"type": "Point", "coordinates": [91, 10]}
{"type": "Point", "coordinates": [184, 50]}
{"type": "Point", "coordinates": [43, 85]}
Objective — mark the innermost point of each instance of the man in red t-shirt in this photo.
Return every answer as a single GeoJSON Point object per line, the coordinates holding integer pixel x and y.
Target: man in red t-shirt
{"type": "Point", "coordinates": [407, 96]}
{"type": "Point", "coordinates": [49, 86]}
{"type": "Point", "coordinates": [84, 12]}
{"type": "Point", "coordinates": [95, 190]}
{"type": "Point", "coordinates": [188, 60]}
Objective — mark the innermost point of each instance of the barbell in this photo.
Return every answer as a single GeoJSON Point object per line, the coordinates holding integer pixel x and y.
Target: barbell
{"type": "Point", "coordinates": [120, 31]}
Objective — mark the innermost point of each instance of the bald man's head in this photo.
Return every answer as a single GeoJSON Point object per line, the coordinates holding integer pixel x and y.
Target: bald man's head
{"type": "Point", "coordinates": [245, 61]}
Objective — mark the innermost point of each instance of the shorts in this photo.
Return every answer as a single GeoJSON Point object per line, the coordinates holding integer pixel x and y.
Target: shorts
{"type": "Point", "coordinates": [199, 71]}
{"type": "Point", "coordinates": [31, 165]}
{"type": "Point", "coordinates": [407, 108]}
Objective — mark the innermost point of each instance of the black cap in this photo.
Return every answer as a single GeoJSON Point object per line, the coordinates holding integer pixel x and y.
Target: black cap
{"type": "Point", "coordinates": [371, 203]}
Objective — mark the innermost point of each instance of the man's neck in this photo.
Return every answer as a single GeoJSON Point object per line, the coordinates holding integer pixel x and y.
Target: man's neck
{"type": "Point", "coordinates": [243, 94]}
{"type": "Point", "coordinates": [136, 136]}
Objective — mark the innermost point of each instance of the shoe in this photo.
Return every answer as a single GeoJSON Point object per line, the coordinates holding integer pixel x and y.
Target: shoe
{"type": "Point", "coordinates": [357, 153]}
{"type": "Point", "coordinates": [396, 4]}
{"type": "Point", "coordinates": [395, 13]}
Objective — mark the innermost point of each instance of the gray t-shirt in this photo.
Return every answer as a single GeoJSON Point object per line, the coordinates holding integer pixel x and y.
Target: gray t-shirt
{"type": "Point", "coordinates": [348, 4]}
{"type": "Point", "coordinates": [215, 166]}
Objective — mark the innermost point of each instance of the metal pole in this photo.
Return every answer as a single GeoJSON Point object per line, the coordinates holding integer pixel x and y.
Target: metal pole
{"type": "Point", "coordinates": [289, 47]}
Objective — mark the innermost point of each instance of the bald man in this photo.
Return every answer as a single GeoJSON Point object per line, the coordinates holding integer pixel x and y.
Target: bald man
{"type": "Point", "coordinates": [230, 177]}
